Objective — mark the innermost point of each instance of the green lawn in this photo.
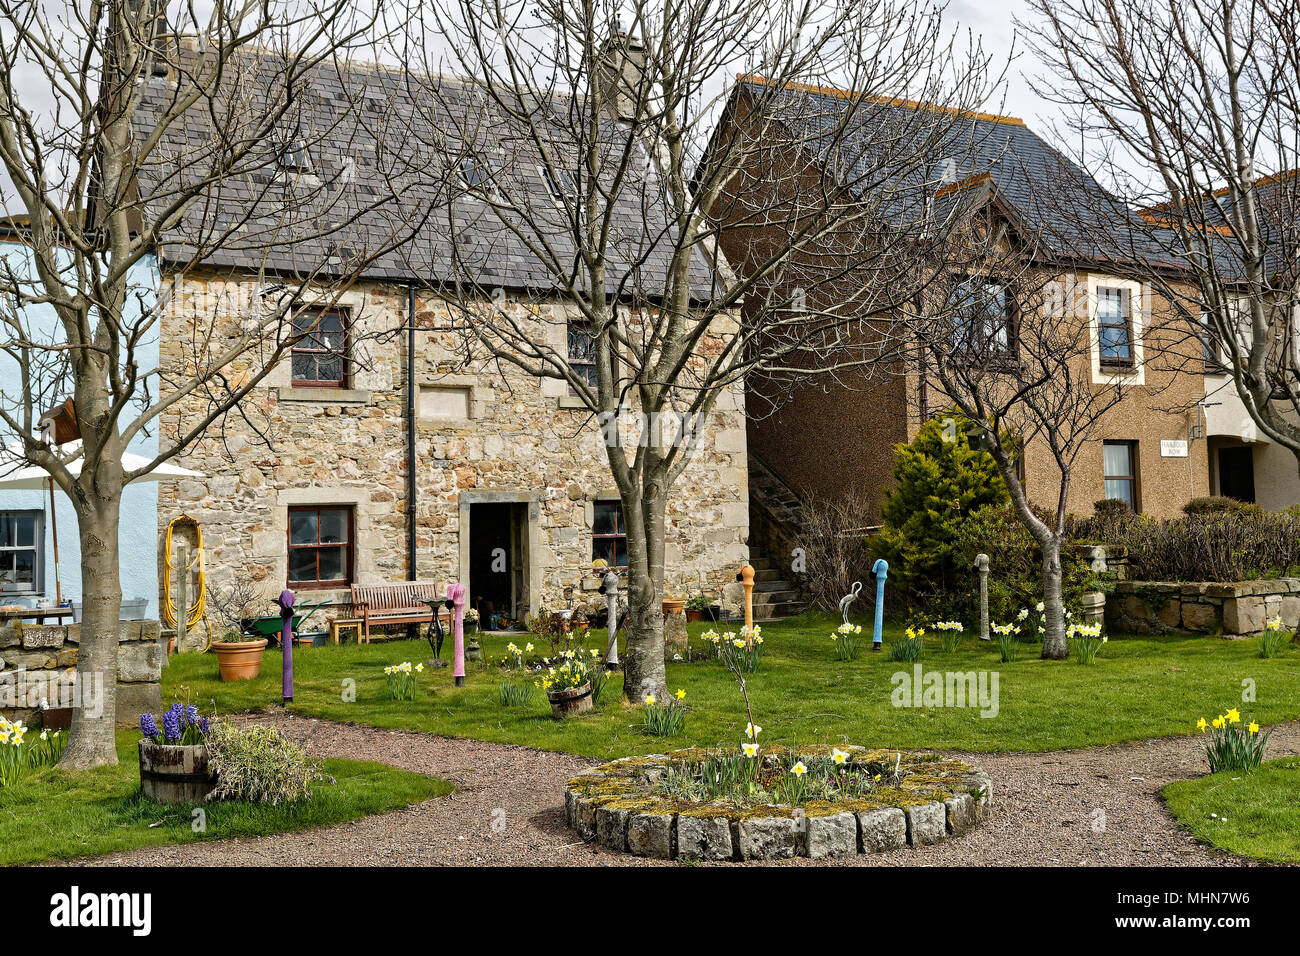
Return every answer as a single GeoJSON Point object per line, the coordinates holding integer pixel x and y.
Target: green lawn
{"type": "Point", "coordinates": [58, 815]}
{"type": "Point", "coordinates": [1139, 688]}
{"type": "Point", "coordinates": [1253, 815]}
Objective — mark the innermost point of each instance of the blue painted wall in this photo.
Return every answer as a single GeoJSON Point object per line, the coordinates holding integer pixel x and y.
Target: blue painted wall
{"type": "Point", "coordinates": [138, 527]}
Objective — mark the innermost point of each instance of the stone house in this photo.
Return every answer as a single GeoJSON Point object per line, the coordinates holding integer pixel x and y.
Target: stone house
{"type": "Point", "coordinates": [1146, 449]}
{"type": "Point", "coordinates": [361, 460]}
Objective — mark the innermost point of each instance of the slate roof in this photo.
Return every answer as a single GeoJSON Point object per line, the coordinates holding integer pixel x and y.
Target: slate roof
{"type": "Point", "coordinates": [1050, 197]}
{"type": "Point", "coordinates": [371, 179]}
{"type": "Point", "coordinates": [1277, 203]}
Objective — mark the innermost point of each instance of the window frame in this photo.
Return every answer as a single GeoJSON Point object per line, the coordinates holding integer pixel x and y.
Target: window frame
{"type": "Point", "coordinates": [349, 548]}
{"type": "Point", "coordinates": [1109, 363]}
{"type": "Point", "coordinates": [342, 352]}
{"type": "Point", "coordinates": [990, 325]}
{"type": "Point", "coordinates": [558, 192]}
{"type": "Point", "coordinates": [483, 187]}
{"type": "Point", "coordinates": [569, 327]}
{"type": "Point", "coordinates": [620, 526]}
{"type": "Point", "coordinates": [1133, 478]}
{"type": "Point", "coordinates": [37, 586]}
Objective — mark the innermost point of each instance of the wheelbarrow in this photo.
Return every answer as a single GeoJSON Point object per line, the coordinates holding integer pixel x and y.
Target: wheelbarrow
{"type": "Point", "coordinates": [271, 627]}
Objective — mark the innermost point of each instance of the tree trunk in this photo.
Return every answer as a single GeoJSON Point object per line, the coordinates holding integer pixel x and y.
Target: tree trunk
{"type": "Point", "coordinates": [644, 668]}
{"type": "Point", "coordinates": [91, 741]}
{"type": "Point", "coordinates": [1055, 646]}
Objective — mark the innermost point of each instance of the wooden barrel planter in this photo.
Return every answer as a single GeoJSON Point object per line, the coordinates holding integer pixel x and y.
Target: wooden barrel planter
{"type": "Point", "coordinates": [171, 773]}
{"type": "Point", "coordinates": [570, 702]}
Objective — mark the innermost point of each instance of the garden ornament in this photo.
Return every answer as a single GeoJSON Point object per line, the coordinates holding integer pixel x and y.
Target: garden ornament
{"type": "Point", "coordinates": [982, 565]}
{"type": "Point", "coordinates": [746, 579]}
{"type": "Point", "coordinates": [1097, 560]}
{"type": "Point", "coordinates": [285, 600]}
{"type": "Point", "coordinates": [881, 571]}
{"type": "Point", "coordinates": [848, 599]}
{"type": "Point", "coordinates": [434, 634]}
{"type": "Point", "coordinates": [456, 595]}
{"type": "Point", "coordinates": [609, 587]}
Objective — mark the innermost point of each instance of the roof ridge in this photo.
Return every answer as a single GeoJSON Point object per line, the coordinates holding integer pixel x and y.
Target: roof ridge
{"type": "Point", "coordinates": [815, 89]}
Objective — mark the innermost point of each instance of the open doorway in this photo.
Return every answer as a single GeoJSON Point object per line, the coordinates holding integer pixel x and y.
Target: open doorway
{"type": "Point", "coordinates": [1237, 472]}
{"type": "Point", "coordinates": [498, 559]}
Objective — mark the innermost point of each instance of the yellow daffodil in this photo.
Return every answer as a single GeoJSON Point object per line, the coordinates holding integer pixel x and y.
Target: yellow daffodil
{"type": "Point", "coordinates": [1217, 723]}
{"type": "Point", "coordinates": [681, 694]}
{"type": "Point", "coordinates": [1201, 725]}
{"type": "Point", "coordinates": [649, 700]}
{"type": "Point", "coordinates": [1233, 716]}
{"type": "Point", "coordinates": [1253, 728]}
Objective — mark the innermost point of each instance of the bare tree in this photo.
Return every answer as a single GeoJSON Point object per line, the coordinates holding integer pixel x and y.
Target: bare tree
{"type": "Point", "coordinates": [1194, 107]}
{"type": "Point", "coordinates": [120, 133]}
{"type": "Point", "coordinates": [647, 148]}
{"type": "Point", "coordinates": [1008, 342]}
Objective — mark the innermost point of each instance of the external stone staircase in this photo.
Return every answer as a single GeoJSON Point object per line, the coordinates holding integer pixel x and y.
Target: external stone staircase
{"type": "Point", "coordinates": [775, 529]}
{"type": "Point", "coordinates": [775, 597]}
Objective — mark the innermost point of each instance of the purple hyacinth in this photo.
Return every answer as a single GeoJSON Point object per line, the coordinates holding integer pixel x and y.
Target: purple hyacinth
{"type": "Point", "coordinates": [172, 723]}
{"type": "Point", "coordinates": [203, 725]}
{"type": "Point", "coordinates": [149, 727]}
{"type": "Point", "coordinates": [191, 714]}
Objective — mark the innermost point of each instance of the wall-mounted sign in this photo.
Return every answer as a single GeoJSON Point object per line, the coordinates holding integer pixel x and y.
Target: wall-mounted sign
{"type": "Point", "coordinates": [1173, 449]}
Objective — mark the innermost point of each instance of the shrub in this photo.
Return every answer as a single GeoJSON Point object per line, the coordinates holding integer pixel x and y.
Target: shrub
{"type": "Point", "coordinates": [1219, 504]}
{"type": "Point", "coordinates": [1207, 546]}
{"type": "Point", "coordinates": [1015, 567]}
{"type": "Point", "coordinates": [1232, 745]}
{"type": "Point", "coordinates": [259, 764]}
{"type": "Point", "coordinates": [836, 546]}
{"type": "Point", "coordinates": [940, 480]}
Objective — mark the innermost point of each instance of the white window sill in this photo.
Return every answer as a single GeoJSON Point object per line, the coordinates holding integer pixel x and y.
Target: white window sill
{"type": "Point", "coordinates": [326, 396]}
{"type": "Point", "coordinates": [572, 401]}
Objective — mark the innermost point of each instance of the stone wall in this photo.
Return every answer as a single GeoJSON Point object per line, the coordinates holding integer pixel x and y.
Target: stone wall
{"type": "Point", "coordinates": [1234, 610]}
{"type": "Point", "coordinates": [485, 433]}
{"type": "Point", "coordinates": [38, 661]}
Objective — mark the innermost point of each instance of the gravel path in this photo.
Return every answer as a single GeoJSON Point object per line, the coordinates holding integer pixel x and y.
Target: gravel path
{"type": "Point", "coordinates": [510, 810]}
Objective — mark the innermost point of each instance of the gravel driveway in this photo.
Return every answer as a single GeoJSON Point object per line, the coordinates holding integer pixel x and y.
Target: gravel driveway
{"type": "Point", "coordinates": [510, 810]}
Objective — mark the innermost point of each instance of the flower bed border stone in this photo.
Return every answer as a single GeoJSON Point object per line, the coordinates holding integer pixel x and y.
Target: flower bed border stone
{"type": "Point", "coordinates": [615, 805]}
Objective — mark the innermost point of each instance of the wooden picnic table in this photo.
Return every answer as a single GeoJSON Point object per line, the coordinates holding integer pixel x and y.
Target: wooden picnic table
{"type": "Point", "coordinates": [35, 613]}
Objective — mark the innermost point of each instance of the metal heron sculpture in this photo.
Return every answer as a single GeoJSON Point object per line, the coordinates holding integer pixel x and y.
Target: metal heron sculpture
{"type": "Point", "coordinates": [848, 599]}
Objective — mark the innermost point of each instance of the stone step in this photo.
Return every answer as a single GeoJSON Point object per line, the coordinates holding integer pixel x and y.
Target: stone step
{"type": "Point", "coordinates": [766, 574]}
{"type": "Point", "coordinates": [775, 584]}
{"type": "Point", "coordinates": [776, 612]}
{"type": "Point", "coordinates": [775, 597]}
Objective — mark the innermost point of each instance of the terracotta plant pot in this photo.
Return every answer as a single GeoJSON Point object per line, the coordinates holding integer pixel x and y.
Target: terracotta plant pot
{"type": "Point", "coordinates": [241, 661]}
{"type": "Point", "coordinates": [693, 614]}
{"type": "Point", "coordinates": [673, 607]}
{"type": "Point", "coordinates": [170, 773]}
{"type": "Point", "coordinates": [570, 702]}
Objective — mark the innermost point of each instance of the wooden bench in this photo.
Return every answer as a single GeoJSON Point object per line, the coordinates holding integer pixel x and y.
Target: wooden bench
{"type": "Point", "coordinates": [397, 603]}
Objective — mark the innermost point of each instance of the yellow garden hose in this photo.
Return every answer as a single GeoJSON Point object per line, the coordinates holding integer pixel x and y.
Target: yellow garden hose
{"type": "Point", "coordinates": [198, 611]}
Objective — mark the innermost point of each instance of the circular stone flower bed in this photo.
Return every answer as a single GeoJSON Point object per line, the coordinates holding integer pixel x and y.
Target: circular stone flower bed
{"type": "Point", "coordinates": [622, 804]}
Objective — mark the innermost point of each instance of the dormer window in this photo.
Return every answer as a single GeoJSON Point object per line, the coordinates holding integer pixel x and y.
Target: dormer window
{"type": "Point", "coordinates": [981, 317]}
{"type": "Point", "coordinates": [561, 184]}
{"type": "Point", "coordinates": [477, 180]}
{"type": "Point", "coordinates": [294, 158]}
